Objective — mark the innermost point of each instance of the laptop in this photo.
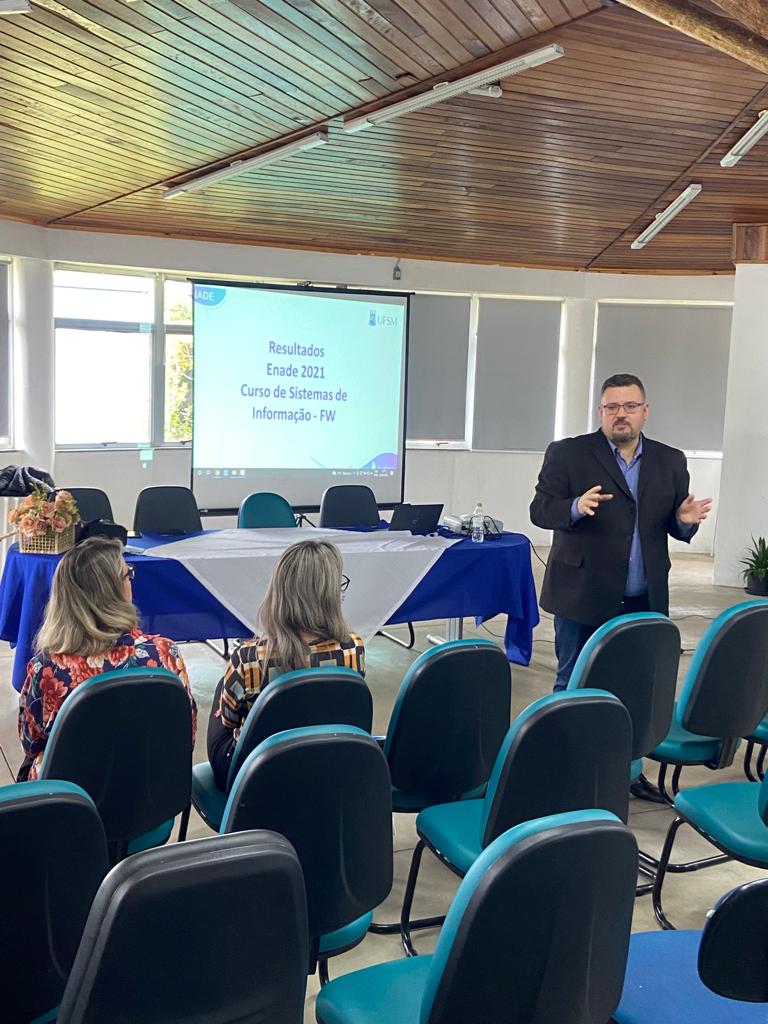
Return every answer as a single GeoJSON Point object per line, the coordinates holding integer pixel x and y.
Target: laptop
{"type": "Point", "coordinates": [419, 519]}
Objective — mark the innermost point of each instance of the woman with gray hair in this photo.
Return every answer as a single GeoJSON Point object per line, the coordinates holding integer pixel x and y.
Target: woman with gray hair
{"type": "Point", "coordinates": [90, 626]}
{"type": "Point", "coordinates": [302, 627]}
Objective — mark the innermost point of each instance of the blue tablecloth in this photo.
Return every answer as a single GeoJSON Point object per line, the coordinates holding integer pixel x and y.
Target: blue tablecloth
{"type": "Point", "coordinates": [482, 580]}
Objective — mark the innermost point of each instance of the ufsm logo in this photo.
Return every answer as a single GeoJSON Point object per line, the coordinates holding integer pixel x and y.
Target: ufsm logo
{"type": "Point", "coordinates": [381, 319]}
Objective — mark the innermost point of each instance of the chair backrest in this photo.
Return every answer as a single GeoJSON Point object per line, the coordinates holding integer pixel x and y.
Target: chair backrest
{"type": "Point", "coordinates": [569, 751]}
{"type": "Point", "coordinates": [265, 509]}
{"type": "Point", "coordinates": [327, 790]}
{"type": "Point", "coordinates": [92, 502]}
{"type": "Point", "coordinates": [734, 945]}
{"type": "Point", "coordinates": [347, 505]}
{"type": "Point", "coordinates": [53, 857]}
{"type": "Point", "coordinates": [126, 738]}
{"type": "Point", "coordinates": [212, 931]}
{"type": "Point", "coordinates": [450, 717]}
{"type": "Point", "coordinates": [725, 691]}
{"type": "Point", "coordinates": [166, 510]}
{"type": "Point", "coordinates": [313, 696]}
{"type": "Point", "coordinates": [539, 928]}
{"type": "Point", "coordinates": [636, 658]}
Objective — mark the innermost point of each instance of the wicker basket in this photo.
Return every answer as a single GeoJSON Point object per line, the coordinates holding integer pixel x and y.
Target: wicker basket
{"type": "Point", "coordinates": [50, 543]}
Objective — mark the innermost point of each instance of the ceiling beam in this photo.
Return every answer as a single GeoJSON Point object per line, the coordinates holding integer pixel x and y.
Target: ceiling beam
{"type": "Point", "coordinates": [753, 14]}
{"type": "Point", "coordinates": [719, 33]}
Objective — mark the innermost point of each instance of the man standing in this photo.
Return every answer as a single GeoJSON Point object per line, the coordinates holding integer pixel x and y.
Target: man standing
{"type": "Point", "coordinates": [612, 498]}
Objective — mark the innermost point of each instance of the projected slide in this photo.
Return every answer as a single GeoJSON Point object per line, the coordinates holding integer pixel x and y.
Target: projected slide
{"type": "Point", "coordinates": [295, 390]}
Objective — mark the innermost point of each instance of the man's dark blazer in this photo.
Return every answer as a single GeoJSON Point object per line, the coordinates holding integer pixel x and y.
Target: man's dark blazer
{"type": "Point", "coordinates": [587, 568]}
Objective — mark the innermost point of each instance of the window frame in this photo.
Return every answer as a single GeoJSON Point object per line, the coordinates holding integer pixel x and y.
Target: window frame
{"type": "Point", "coordinates": [157, 333]}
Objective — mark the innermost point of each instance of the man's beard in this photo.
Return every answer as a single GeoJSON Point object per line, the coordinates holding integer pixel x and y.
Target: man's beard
{"type": "Point", "coordinates": [617, 436]}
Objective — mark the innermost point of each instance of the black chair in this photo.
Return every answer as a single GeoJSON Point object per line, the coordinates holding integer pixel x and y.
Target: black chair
{"type": "Point", "coordinates": [53, 857]}
{"type": "Point", "coordinates": [327, 790]}
{"type": "Point", "coordinates": [314, 696]}
{"type": "Point", "coordinates": [636, 658]}
{"type": "Point", "coordinates": [449, 720]}
{"type": "Point", "coordinates": [207, 932]}
{"type": "Point", "coordinates": [166, 510]}
{"type": "Point", "coordinates": [568, 751]}
{"type": "Point", "coordinates": [348, 505]}
{"type": "Point", "coordinates": [537, 934]}
{"type": "Point", "coordinates": [92, 503]}
{"type": "Point", "coordinates": [707, 977]}
{"type": "Point", "coordinates": [125, 737]}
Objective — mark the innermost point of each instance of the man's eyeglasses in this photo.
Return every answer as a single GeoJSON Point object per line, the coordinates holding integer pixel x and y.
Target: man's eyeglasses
{"type": "Point", "coordinates": [344, 583]}
{"type": "Point", "coordinates": [130, 573]}
{"type": "Point", "coordinates": [613, 407]}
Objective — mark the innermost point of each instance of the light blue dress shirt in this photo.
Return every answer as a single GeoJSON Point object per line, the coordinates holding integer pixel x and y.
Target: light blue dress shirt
{"type": "Point", "coordinates": [637, 582]}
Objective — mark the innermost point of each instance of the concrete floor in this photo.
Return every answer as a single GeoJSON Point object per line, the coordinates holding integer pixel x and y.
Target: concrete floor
{"type": "Point", "coordinates": [694, 601]}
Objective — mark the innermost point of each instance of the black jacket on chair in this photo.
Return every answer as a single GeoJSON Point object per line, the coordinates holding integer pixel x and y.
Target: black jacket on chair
{"type": "Point", "coordinates": [587, 568]}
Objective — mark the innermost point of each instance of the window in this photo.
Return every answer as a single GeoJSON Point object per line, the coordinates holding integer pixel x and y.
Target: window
{"type": "Point", "coordinates": [518, 346]}
{"type": "Point", "coordinates": [123, 359]}
{"type": "Point", "coordinates": [177, 386]}
{"type": "Point", "coordinates": [5, 357]}
{"type": "Point", "coordinates": [680, 352]}
{"type": "Point", "coordinates": [104, 337]}
{"type": "Point", "coordinates": [438, 343]}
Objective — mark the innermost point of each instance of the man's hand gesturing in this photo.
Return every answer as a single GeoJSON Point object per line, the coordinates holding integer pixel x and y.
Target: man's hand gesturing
{"type": "Point", "coordinates": [591, 500]}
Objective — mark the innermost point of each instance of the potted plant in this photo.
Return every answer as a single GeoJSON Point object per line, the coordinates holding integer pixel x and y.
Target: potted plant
{"type": "Point", "coordinates": [45, 522]}
{"type": "Point", "coordinates": [756, 568]}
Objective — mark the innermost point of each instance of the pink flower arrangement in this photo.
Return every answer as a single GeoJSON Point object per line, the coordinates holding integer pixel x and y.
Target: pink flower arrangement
{"type": "Point", "coordinates": [38, 515]}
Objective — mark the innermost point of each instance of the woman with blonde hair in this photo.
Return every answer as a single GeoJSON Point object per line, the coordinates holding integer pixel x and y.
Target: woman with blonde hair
{"type": "Point", "coordinates": [90, 626]}
{"type": "Point", "coordinates": [302, 627]}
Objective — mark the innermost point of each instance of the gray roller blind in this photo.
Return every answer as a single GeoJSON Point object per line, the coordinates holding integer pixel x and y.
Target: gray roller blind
{"type": "Point", "coordinates": [681, 355]}
{"type": "Point", "coordinates": [5, 355]}
{"type": "Point", "coordinates": [438, 340]}
{"type": "Point", "coordinates": [518, 344]}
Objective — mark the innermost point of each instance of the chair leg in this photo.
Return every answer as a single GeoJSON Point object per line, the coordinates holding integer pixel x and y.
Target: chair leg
{"type": "Point", "coordinates": [748, 761]}
{"type": "Point", "coordinates": [666, 852]}
{"type": "Point", "coordinates": [676, 779]}
{"type": "Point", "coordinates": [410, 889]}
{"type": "Point", "coordinates": [661, 782]}
{"type": "Point", "coordinates": [761, 763]}
{"type": "Point", "coordinates": [322, 972]}
{"type": "Point", "coordinates": [184, 823]}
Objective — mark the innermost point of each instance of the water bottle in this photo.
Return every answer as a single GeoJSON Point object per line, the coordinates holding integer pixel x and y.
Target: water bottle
{"type": "Point", "coordinates": [477, 524]}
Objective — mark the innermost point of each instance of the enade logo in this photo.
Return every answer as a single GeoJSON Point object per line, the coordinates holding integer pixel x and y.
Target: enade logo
{"type": "Point", "coordinates": [376, 319]}
{"type": "Point", "coordinates": [207, 295]}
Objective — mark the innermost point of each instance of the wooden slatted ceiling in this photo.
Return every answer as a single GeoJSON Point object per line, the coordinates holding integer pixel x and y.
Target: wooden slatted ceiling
{"type": "Point", "coordinates": [102, 101]}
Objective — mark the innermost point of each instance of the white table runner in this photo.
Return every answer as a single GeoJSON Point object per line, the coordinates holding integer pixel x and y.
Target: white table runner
{"type": "Point", "coordinates": [383, 567]}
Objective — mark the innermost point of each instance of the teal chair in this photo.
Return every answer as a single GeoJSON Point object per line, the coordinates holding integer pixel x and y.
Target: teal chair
{"type": "Point", "coordinates": [569, 751]}
{"type": "Point", "coordinates": [717, 976]}
{"type": "Point", "coordinates": [537, 933]}
{"type": "Point", "coordinates": [308, 696]}
{"type": "Point", "coordinates": [125, 737]}
{"type": "Point", "coordinates": [636, 658]}
{"type": "Point", "coordinates": [53, 857]}
{"type": "Point", "coordinates": [265, 510]}
{"type": "Point", "coordinates": [448, 722]}
{"type": "Point", "coordinates": [733, 816]}
{"type": "Point", "coordinates": [724, 695]}
{"type": "Point", "coordinates": [326, 789]}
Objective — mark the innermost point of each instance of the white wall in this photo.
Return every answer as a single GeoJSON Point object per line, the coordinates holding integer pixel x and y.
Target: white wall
{"type": "Point", "coordinates": [504, 481]}
{"type": "Point", "coordinates": [745, 435]}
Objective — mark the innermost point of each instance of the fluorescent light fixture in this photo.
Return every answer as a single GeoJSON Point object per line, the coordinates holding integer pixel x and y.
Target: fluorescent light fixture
{"type": "Point", "coordinates": [492, 91]}
{"type": "Point", "coordinates": [241, 166]}
{"type": "Point", "coordinates": [747, 141]}
{"type": "Point", "coordinates": [447, 90]}
{"type": "Point", "coordinates": [662, 219]}
{"type": "Point", "coordinates": [14, 7]}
